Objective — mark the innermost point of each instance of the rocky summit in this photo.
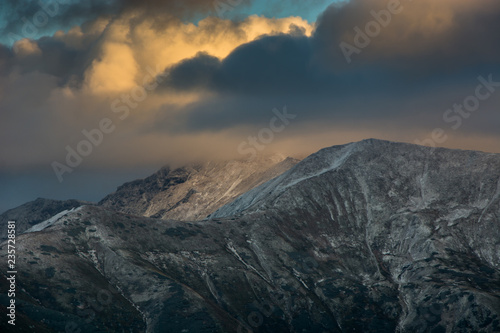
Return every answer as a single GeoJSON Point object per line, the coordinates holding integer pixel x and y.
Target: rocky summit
{"type": "Point", "coordinates": [195, 191]}
{"type": "Point", "coordinates": [372, 236]}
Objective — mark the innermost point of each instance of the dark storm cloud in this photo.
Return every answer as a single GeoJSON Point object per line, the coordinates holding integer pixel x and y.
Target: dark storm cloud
{"type": "Point", "coordinates": [424, 34]}
{"type": "Point", "coordinates": [52, 57]}
{"type": "Point", "coordinates": [28, 18]}
{"type": "Point", "coordinates": [270, 65]}
{"type": "Point", "coordinates": [195, 73]}
{"type": "Point", "coordinates": [174, 6]}
{"type": "Point", "coordinates": [423, 61]}
{"type": "Point", "coordinates": [55, 59]}
{"type": "Point", "coordinates": [5, 59]}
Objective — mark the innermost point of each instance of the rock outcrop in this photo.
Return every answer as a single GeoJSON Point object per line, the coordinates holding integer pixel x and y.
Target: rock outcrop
{"type": "Point", "coordinates": [193, 192]}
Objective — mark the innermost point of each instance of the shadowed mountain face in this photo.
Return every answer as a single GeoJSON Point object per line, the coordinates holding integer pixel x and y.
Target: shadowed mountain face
{"type": "Point", "coordinates": [194, 192]}
{"type": "Point", "coordinates": [34, 212]}
{"type": "Point", "coordinates": [368, 237]}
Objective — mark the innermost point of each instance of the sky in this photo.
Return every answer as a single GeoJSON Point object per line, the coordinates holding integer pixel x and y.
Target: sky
{"type": "Point", "coordinates": [96, 93]}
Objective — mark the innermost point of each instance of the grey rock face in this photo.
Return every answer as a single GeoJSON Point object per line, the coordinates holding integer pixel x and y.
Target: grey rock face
{"type": "Point", "coordinates": [367, 237]}
{"type": "Point", "coordinates": [193, 192]}
{"type": "Point", "coordinates": [34, 212]}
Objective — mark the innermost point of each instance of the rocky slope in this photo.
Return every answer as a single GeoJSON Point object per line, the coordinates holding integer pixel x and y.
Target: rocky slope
{"type": "Point", "coordinates": [194, 191]}
{"type": "Point", "coordinates": [34, 212]}
{"type": "Point", "coordinates": [367, 237]}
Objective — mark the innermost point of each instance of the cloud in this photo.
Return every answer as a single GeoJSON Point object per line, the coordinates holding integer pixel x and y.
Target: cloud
{"type": "Point", "coordinates": [426, 59]}
{"type": "Point", "coordinates": [141, 45]}
{"type": "Point", "coordinates": [428, 33]}
{"type": "Point", "coordinates": [115, 71]}
{"type": "Point", "coordinates": [271, 65]}
{"type": "Point", "coordinates": [226, 76]}
{"type": "Point", "coordinates": [72, 78]}
{"type": "Point", "coordinates": [27, 48]}
{"type": "Point", "coordinates": [110, 55]}
{"type": "Point", "coordinates": [29, 19]}
{"type": "Point", "coordinates": [32, 19]}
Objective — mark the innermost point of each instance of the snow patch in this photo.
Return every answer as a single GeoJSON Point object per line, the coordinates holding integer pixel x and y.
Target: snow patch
{"type": "Point", "coordinates": [47, 223]}
{"type": "Point", "coordinates": [324, 161]}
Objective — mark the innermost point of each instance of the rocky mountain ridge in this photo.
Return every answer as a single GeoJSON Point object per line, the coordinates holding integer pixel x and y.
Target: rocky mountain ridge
{"type": "Point", "coordinates": [34, 212]}
{"type": "Point", "coordinates": [194, 191]}
{"type": "Point", "coordinates": [371, 236]}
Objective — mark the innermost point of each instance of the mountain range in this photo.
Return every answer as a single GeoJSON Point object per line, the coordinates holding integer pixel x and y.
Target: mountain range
{"type": "Point", "coordinates": [371, 236]}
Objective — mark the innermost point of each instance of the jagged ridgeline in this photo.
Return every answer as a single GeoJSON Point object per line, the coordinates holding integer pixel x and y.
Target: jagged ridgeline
{"type": "Point", "coordinates": [371, 236]}
{"type": "Point", "coordinates": [195, 191]}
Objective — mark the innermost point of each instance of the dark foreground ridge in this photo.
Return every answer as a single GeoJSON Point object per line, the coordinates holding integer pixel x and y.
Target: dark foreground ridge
{"type": "Point", "coordinates": [372, 236]}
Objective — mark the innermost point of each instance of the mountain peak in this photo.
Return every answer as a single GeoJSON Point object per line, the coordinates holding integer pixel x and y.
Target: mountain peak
{"type": "Point", "coordinates": [365, 158]}
{"type": "Point", "coordinates": [195, 190]}
{"type": "Point", "coordinates": [410, 231]}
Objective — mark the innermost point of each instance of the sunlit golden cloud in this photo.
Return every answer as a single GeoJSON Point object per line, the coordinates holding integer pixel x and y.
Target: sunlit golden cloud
{"type": "Point", "coordinates": [26, 47]}
{"type": "Point", "coordinates": [127, 48]}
